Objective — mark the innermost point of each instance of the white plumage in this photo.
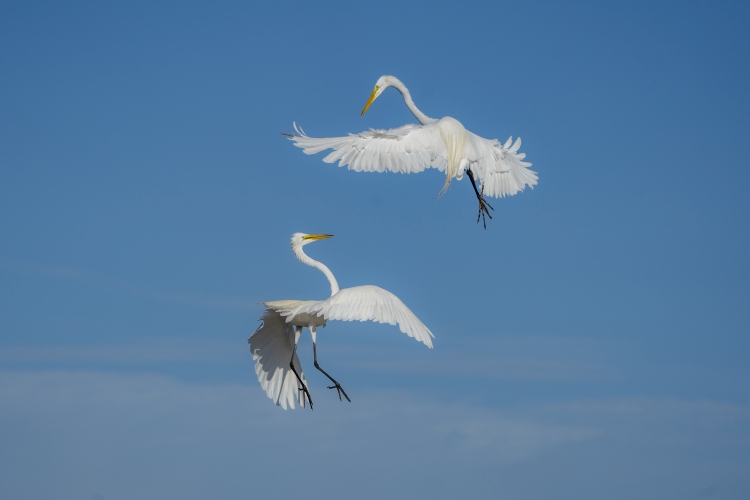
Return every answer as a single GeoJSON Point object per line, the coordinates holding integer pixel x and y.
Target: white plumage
{"type": "Point", "coordinates": [274, 343]}
{"type": "Point", "coordinates": [366, 303]}
{"type": "Point", "coordinates": [443, 144]}
{"type": "Point", "coordinates": [271, 345]}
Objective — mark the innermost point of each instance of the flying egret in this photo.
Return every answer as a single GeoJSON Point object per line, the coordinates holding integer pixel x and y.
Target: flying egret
{"type": "Point", "coordinates": [274, 343]}
{"type": "Point", "coordinates": [443, 144]}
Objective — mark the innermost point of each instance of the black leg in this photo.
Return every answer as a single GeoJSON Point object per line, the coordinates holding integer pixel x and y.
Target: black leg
{"type": "Point", "coordinates": [337, 386]}
{"type": "Point", "coordinates": [482, 202]}
{"type": "Point", "coordinates": [304, 387]}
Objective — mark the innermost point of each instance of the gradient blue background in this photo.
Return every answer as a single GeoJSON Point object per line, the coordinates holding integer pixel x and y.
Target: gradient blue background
{"type": "Point", "coordinates": [591, 343]}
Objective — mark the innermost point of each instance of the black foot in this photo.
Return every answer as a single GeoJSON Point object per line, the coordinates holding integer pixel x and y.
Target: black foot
{"type": "Point", "coordinates": [483, 209]}
{"type": "Point", "coordinates": [483, 205]}
{"type": "Point", "coordinates": [307, 394]}
{"type": "Point", "coordinates": [336, 385]}
{"type": "Point", "coordinates": [302, 387]}
{"type": "Point", "coordinates": [340, 390]}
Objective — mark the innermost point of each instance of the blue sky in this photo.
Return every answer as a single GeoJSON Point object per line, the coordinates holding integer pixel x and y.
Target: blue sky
{"type": "Point", "coordinates": [591, 343]}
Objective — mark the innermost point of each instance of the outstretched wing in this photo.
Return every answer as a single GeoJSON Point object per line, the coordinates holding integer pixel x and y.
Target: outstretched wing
{"type": "Point", "coordinates": [272, 346]}
{"type": "Point", "coordinates": [499, 167]}
{"type": "Point", "coordinates": [408, 149]}
{"type": "Point", "coordinates": [368, 303]}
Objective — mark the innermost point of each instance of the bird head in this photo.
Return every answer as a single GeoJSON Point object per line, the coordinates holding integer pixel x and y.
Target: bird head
{"type": "Point", "coordinates": [383, 83]}
{"type": "Point", "coordinates": [302, 239]}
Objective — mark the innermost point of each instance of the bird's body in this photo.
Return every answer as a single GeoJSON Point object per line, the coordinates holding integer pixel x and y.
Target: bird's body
{"type": "Point", "coordinates": [274, 343]}
{"type": "Point", "coordinates": [286, 308]}
{"type": "Point", "coordinates": [443, 144]}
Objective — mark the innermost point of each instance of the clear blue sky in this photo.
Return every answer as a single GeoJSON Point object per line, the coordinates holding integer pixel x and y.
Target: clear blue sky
{"type": "Point", "coordinates": [591, 343]}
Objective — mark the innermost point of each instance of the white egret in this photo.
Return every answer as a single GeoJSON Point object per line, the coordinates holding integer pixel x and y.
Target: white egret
{"type": "Point", "coordinates": [274, 343]}
{"type": "Point", "coordinates": [443, 144]}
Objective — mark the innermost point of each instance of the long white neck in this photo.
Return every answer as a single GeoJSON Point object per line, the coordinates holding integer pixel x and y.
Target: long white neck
{"type": "Point", "coordinates": [398, 85]}
{"type": "Point", "coordinates": [302, 256]}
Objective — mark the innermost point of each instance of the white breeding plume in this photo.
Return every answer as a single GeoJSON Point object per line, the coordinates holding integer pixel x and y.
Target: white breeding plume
{"type": "Point", "coordinates": [274, 343]}
{"type": "Point", "coordinates": [443, 144]}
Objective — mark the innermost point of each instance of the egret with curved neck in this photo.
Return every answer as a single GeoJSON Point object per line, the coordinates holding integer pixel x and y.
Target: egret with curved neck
{"type": "Point", "coordinates": [304, 239]}
{"type": "Point", "coordinates": [386, 81]}
{"type": "Point", "coordinates": [274, 343]}
{"type": "Point", "coordinates": [438, 143]}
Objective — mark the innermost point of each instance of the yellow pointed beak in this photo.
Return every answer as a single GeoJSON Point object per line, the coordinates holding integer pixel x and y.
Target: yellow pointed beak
{"type": "Point", "coordinates": [369, 101]}
{"type": "Point", "coordinates": [316, 237]}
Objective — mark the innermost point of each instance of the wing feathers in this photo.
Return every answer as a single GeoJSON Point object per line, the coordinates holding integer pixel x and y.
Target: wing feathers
{"type": "Point", "coordinates": [499, 167]}
{"type": "Point", "coordinates": [406, 149]}
{"type": "Point", "coordinates": [413, 148]}
{"type": "Point", "coordinates": [367, 303]}
{"type": "Point", "coordinates": [272, 345]}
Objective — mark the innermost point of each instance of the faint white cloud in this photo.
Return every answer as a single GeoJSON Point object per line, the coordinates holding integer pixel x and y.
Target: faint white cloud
{"type": "Point", "coordinates": [203, 301]}
{"type": "Point", "coordinates": [151, 437]}
{"type": "Point", "coordinates": [512, 438]}
{"type": "Point", "coordinates": [530, 358]}
{"type": "Point", "coordinates": [76, 424]}
{"type": "Point", "coordinates": [684, 423]}
{"type": "Point", "coordinates": [148, 351]}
